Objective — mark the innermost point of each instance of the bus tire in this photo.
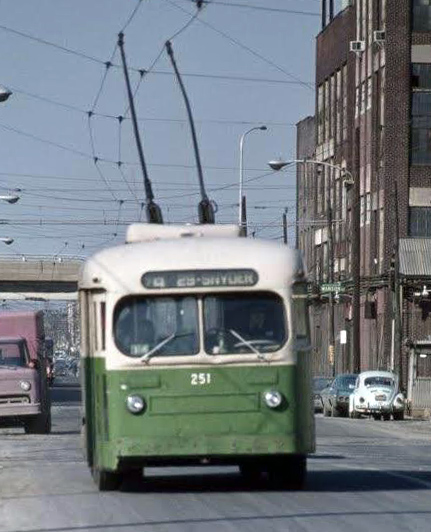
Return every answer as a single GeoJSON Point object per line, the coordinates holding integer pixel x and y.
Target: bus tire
{"type": "Point", "coordinates": [106, 480]}
{"type": "Point", "coordinates": [250, 473]}
{"type": "Point", "coordinates": [40, 424]}
{"type": "Point", "coordinates": [290, 473]}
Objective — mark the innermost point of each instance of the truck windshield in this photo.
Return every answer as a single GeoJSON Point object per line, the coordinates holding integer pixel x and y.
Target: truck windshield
{"type": "Point", "coordinates": [157, 326]}
{"type": "Point", "coordinates": [244, 323]}
{"type": "Point", "coordinates": [12, 354]}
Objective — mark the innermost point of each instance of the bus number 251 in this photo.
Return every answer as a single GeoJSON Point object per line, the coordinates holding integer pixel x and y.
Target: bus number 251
{"type": "Point", "coordinates": [200, 379]}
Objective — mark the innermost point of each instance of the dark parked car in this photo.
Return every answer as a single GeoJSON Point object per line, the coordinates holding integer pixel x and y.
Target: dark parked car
{"type": "Point", "coordinates": [319, 384]}
{"type": "Point", "coordinates": [335, 397]}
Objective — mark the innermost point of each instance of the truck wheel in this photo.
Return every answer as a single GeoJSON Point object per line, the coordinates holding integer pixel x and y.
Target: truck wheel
{"type": "Point", "coordinates": [386, 417]}
{"type": "Point", "coordinates": [398, 416]}
{"type": "Point", "coordinates": [106, 480]}
{"type": "Point", "coordinates": [377, 417]}
{"type": "Point", "coordinates": [40, 424]}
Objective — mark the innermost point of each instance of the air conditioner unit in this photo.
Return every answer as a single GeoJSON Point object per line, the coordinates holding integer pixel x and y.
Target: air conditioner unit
{"type": "Point", "coordinates": [357, 46]}
{"type": "Point", "coordinates": [379, 36]}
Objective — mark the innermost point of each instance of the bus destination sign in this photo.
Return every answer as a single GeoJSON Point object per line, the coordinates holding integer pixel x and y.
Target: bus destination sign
{"type": "Point", "coordinates": [199, 278]}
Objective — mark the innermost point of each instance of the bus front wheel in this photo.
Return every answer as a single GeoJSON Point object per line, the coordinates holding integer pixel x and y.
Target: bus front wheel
{"type": "Point", "coordinates": [106, 480]}
{"type": "Point", "coordinates": [289, 472]}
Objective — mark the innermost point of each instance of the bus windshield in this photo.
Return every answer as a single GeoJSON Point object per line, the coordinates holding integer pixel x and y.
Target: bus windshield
{"type": "Point", "coordinates": [157, 326]}
{"type": "Point", "coordinates": [244, 323]}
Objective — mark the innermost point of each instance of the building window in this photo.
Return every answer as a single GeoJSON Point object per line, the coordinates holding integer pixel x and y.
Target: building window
{"type": "Point", "coordinates": [421, 114]}
{"type": "Point", "coordinates": [421, 15]}
{"type": "Point", "coordinates": [344, 89]}
{"type": "Point", "coordinates": [320, 115]}
{"type": "Point", "coordinates": [420, 221]}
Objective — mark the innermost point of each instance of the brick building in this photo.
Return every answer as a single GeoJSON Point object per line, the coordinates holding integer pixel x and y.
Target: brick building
{"type": "Point", "coordinates": [373, 118]}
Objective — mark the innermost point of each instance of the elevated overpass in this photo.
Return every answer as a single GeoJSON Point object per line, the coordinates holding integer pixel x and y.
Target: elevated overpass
{"type": "Point", "coordinates": [39, 277]}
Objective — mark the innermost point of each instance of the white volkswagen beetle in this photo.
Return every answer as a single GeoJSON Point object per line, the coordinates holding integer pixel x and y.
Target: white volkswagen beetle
{"type": "Point", "coordinates": [377, 394]}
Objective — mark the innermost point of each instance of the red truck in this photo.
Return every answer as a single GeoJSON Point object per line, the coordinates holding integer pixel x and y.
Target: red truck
{"type": "Point", "coordinates": [24, 392]}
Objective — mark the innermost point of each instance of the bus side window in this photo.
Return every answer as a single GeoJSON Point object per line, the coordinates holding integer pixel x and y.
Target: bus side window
{"type": "Point", "coordinates": [103, 324]}
{"type": "Point", "coordinates": [300, 311]}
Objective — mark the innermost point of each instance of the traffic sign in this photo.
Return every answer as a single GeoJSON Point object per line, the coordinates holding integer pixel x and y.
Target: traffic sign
{"type": "Point", "coordinates": [330, 287]}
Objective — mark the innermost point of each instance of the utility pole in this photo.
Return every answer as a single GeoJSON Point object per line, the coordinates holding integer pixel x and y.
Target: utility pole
{"type": "Point", "coordinates": [243, 227]}
{"type": "Point", "coordinates": [356, 261]}
{"type": "Point", "coordinates": [285, 226]}
{"type": "Point", "coordinates": [331, 320]}
{"type": "Point", "coordinates": [396, 306]}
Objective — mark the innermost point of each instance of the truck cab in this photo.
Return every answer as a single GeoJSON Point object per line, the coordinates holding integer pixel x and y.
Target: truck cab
{"type": "Point", "coordinates": [24, 392]}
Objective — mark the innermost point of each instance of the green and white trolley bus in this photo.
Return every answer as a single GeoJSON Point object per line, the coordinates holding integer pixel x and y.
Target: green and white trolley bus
{"type": "Point", "coordinates": [196, 350]}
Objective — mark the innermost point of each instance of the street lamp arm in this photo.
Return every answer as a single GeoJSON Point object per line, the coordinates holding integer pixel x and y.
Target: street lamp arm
{"type": "Point", "coordinates": [241, 169]}
{"type": "Point", "coordinates": [278, 165]}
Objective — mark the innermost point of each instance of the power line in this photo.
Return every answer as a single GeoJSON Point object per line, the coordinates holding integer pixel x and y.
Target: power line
{"type": "Point", "coordinates": [159, 55]}
{"type": "Point", "coordinates": [97, 159]}
{"type": "Point", "coordinates": [82, 111]}
{"type": "Point", "coordinates": [259, 8]}
{"type": "Point", "coordinates": [132, 16]}
{"type": "Point", "coordinates": [245, 47]}
{"type": "Point", "coordinates": [52, 45]}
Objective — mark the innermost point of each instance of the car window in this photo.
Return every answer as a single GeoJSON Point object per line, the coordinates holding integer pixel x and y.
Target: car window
{"type": "Point", "coordinates": [320, 383]}
{"type": "Point", "coordinates": [346, 382]}
{"type": "Point", "coordinates": [379, 381]}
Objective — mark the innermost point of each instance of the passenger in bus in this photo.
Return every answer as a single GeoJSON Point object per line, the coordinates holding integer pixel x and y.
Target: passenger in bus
{"type": "Point", "coordinates": [135, 337]}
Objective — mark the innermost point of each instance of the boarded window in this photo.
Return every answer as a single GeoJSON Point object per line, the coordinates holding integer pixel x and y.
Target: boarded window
{"type": "Point", "coordinates": [421, 15]}
{"type": "Point", "coordinates": [420, 221]}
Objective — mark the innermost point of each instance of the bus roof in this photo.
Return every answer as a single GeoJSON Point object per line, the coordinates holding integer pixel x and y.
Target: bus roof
{"type": "Point", "coordinates": [120, 268]}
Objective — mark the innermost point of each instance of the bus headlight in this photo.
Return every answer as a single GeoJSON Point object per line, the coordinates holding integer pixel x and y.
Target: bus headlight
{"type": "Point", "coordinates": [273, 399]}
{"type": "Point", "coordinates": [135, 404]}
{"type": "Point", "coordinates": [25, 385]}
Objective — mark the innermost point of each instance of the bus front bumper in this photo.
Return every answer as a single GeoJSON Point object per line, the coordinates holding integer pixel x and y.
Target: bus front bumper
{"type": "Point", "coordinates": [199, 450]}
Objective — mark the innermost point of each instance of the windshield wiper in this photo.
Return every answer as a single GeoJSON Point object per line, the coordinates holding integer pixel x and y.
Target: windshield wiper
{"type": "Point", "coordinates": [248, 344]}
{"type": "Point", "coordinates": [161, 344]}
{"type": "Point", "coordinates": [157, 348]}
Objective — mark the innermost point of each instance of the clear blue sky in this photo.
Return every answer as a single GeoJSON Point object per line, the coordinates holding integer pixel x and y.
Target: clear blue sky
{"type": "Point", "coordinates": [65, 185]}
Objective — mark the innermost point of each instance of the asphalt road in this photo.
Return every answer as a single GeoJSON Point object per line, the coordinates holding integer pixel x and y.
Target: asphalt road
{"type": "Point", "coordinates": [365, 476]}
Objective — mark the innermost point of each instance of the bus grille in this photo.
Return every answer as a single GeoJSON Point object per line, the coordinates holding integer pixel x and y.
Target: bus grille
{"type": "Point", "coordinates": [15, 399]}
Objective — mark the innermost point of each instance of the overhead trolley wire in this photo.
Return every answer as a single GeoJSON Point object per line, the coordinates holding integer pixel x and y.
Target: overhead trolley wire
{"type": "Point", "coordinates": [132, 16]}
{"type": "Point", "coordinates": [258, 8]}
{"type": "Point", "coordinates": [77, 53]}
{"type": "Point", "coordinates": [160, 54]}
{"type": "Point", "coordinates": [245, 47]}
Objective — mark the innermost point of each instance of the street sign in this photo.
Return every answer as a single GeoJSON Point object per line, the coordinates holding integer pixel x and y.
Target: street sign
{"type": "Point", "coordinates": [343, 337]}
{"type": "Point", "coordinates": [330, 287]}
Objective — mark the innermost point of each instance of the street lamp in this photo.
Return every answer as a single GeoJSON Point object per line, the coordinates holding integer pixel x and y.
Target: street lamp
{"type": "Point", "coordinates": [9, 198]}
{"type": "Point", "coordinates": [348, 181]}
{"type": "Point", "coordinates": [279, 164]}
{"type": "Point", "coordinates": [4, 94]}
{"type": "Point", "coordinates": [241, 175]}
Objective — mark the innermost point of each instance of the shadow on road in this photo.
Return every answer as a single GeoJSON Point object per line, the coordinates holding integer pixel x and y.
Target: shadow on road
{"type": "Point", "coordinates": [66, 394]}
{"type": "Point", "coordinates": [341, 481]}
